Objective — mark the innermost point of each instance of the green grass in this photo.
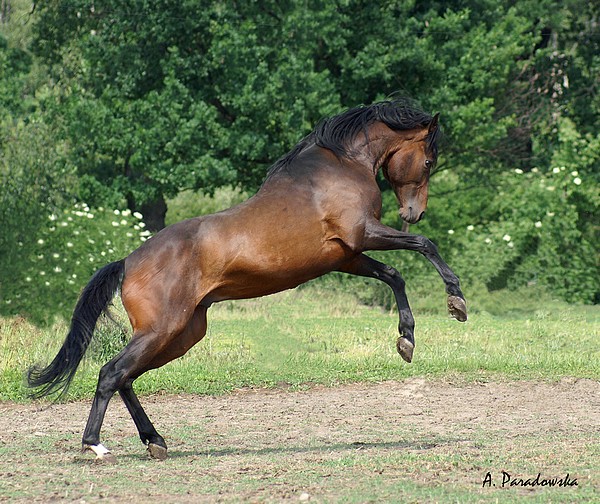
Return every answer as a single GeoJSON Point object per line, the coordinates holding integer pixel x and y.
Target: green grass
{"type": "Point", "coordinates": [314, 335]}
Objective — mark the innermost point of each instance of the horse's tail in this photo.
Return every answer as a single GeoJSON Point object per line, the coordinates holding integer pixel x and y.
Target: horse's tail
{"type": "Point", "coordinates": [94, 300]}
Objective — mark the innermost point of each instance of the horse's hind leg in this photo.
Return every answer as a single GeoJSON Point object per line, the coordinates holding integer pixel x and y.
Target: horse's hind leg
{"type": "Point", "coordinates": [157, 448]}
{"type": "Point", "coordinates": [122, 369]}
{"type": "Point", "coordinates": [144, 352]}
{"type": "Point", "coordinates": [193, 332]}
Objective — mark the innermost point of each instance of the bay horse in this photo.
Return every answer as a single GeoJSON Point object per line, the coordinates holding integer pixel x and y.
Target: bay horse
{"type": "Point", "coordinates": [317, 211]}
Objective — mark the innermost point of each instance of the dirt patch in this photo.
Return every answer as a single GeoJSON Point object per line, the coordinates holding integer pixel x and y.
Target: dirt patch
{"type": "Point", "coordinates": [251, 435]}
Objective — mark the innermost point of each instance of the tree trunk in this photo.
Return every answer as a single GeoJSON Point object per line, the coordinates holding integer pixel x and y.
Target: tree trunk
{"type": "Point", "coordinates": [153, 212]}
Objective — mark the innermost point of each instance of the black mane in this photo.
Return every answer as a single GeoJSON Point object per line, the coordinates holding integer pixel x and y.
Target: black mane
{"type": "Point", "coordinates": [338, 132]}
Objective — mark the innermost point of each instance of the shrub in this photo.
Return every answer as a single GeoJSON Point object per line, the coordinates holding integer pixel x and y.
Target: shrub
{"type": "Point", "coordinates": [71, 246]}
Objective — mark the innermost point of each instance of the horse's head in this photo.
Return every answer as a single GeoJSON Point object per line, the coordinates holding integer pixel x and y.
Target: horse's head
{"type": "Point", "coordinates": [408, 168]}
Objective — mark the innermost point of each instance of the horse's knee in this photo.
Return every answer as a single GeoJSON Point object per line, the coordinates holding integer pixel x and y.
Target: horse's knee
{"type": "Point", "coordinates": [394, 276]}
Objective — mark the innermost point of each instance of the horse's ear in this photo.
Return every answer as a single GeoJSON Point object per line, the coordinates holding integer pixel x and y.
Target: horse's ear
{"type": "Point", "coordinates": [433, 125]}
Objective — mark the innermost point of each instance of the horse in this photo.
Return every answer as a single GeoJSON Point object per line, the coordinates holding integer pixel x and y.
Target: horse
{"type": "Point", "coordinates": [317, 211]}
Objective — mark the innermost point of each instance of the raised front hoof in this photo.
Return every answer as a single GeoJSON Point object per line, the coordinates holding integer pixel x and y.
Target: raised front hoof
{"type": "Point", "coordinates": [457, 308]}
{"type": "Point", "coordinates": [103, 456]}
{"type": "Point", "coordinates": [405, 348]}
{"type": "Point", "coordinates": [157, 452]}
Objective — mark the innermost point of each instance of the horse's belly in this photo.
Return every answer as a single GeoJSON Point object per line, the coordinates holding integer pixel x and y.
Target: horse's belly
{"type": "Point", "coordinates": [277, 268]}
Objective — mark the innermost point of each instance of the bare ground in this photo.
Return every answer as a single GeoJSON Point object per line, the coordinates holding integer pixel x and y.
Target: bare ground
{"type": "Point", "coordinates": [316, 444]}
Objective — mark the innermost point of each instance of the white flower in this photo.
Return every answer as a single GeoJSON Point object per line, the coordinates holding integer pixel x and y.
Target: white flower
{"type": "Point", "coordinates": [148, 233]}
{"type": "Point", "coordinates": [90, 241]}
{"type": "Point", "coordinates": [488, 240]}
{"type": "Point", "coordinates": [550, 188]}
{"type": "Point", "coordinates": [534, 170]}
{"type": "Point", "coordinates": [52, 217]}
{"type": "Point", "coordinates": [90, 216]}
{"type": "Point", "coordinates": [123, 222]}
{"type": "Point", "coordinates": [550, 214]}
{"type": "Point", "coordinates": [70, 219]}
{"type": "Point", "coordinates": [74, 275]}
{"type": "Point", "coordinates": [115, 224]}
{"type": "Point", "coordinates": [556, 170]}
{"type": "Point", "coordinates": [55, 255]}
{"type": "Point", "coordinates": [20, 244]}
{"type": "Point", "coordinates": [116, 212]}
{"type": "Point", "coordinates": [58, 269]}
{"type": "Point", "coordinates": [506, 238]}
{"type": "Point", "coordinates": [577, 181]}
{"type": "Point", "coordinates": [128, 234]}
{"type": "Point", "coordinates": [64, 224]}
{"type": "Point", "coordinates": [142, 225]}
{"type": "Point", "coordinates": [511, 245]}
{"type": "Point", "coordinates": [103, 253]}
{"type": "Point", "coordinates": [76, 232]}
{"type": "Point", "coordinates": [126, 212]}
{"type": "Point", "coordinates": [538, 224]}
{"type": "Point", "coordinates": [470, 227]}
{"type": "Point", "coordinates": [450, 231]}
{"type": "Point", "coordinates": [40, 242]}
{"type": "Point", "coordinates": [47, 284]}
{"type": "Point", "coordinates": [138, 215]}
{"type": "Point", "coordinates": [42, 273]}
{"type": "Point", "coordinates": [28, 279]}
{"type": "Point", "coordinates": [575, 173]}
{"type": "Point", "coordinates": [518, 171]}
{"type": "Point", "coordinates": [69, 244]}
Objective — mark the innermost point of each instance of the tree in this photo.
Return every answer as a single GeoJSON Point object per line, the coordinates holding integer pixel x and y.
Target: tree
{"type": "Point", "coordinates": [151, 98]}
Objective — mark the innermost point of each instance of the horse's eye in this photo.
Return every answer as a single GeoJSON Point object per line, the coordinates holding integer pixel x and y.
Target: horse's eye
{"type": "Point", "coordinates": [428, 164]}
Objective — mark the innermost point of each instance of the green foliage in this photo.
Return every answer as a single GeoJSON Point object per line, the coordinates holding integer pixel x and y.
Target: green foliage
{"type": "Point", "coordinates": [32, 184]}
{"type": "Point", "coordinates": [68, 248]}
{"type": "Point", "coordinates": [189, 204]}
{"type": "Point", "coordinates": [551, 240]}
{"type": "Point", "coordinates": [130, 104]}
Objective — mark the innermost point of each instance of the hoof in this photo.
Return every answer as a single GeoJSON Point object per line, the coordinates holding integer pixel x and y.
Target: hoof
{"type": "Point", "coordinates": [457, 308]}
{"type": "Point", "coordinates": [108, 458]}
{"type": "Point", "coordinates": [103, 455]}
{"type": "Point", "coordinates": [405, 348]}
{"type": "Point", "coordinates": [157, 452]}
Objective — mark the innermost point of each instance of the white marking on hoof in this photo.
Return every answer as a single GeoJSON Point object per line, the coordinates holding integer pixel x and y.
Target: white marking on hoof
{"type": "Point", "coordinates": [103, 454]}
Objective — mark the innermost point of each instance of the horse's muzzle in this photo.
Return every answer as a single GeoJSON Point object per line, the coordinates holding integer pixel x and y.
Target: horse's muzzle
{"type": "Point", "coordinates": [410, 216]}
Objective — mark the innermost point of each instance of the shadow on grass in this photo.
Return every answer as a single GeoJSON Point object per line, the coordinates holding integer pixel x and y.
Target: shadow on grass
{"type": "Point", "coordinates": [417, 445]}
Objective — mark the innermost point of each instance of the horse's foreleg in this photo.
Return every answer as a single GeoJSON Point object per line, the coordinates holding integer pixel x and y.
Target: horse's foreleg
{"type": "Point", "coordinates": [365, 266]}
{"type": "Point", "coordinates": [380, 237]}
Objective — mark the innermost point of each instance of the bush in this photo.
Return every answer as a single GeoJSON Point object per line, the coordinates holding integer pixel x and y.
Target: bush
{"type": "Point", "coordinates": [538, 228]}
{"type": "Point", "coordinates": [68, 250]}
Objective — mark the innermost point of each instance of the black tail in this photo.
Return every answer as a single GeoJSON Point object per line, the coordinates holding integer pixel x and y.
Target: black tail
{"type": "Point", "coordinates": [93, 301]}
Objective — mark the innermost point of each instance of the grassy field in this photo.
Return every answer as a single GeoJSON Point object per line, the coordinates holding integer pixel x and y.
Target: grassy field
{"type": "Point", "coordinates": [506, 391]}
{"type": "Point", "coordinates": [312, 335]}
